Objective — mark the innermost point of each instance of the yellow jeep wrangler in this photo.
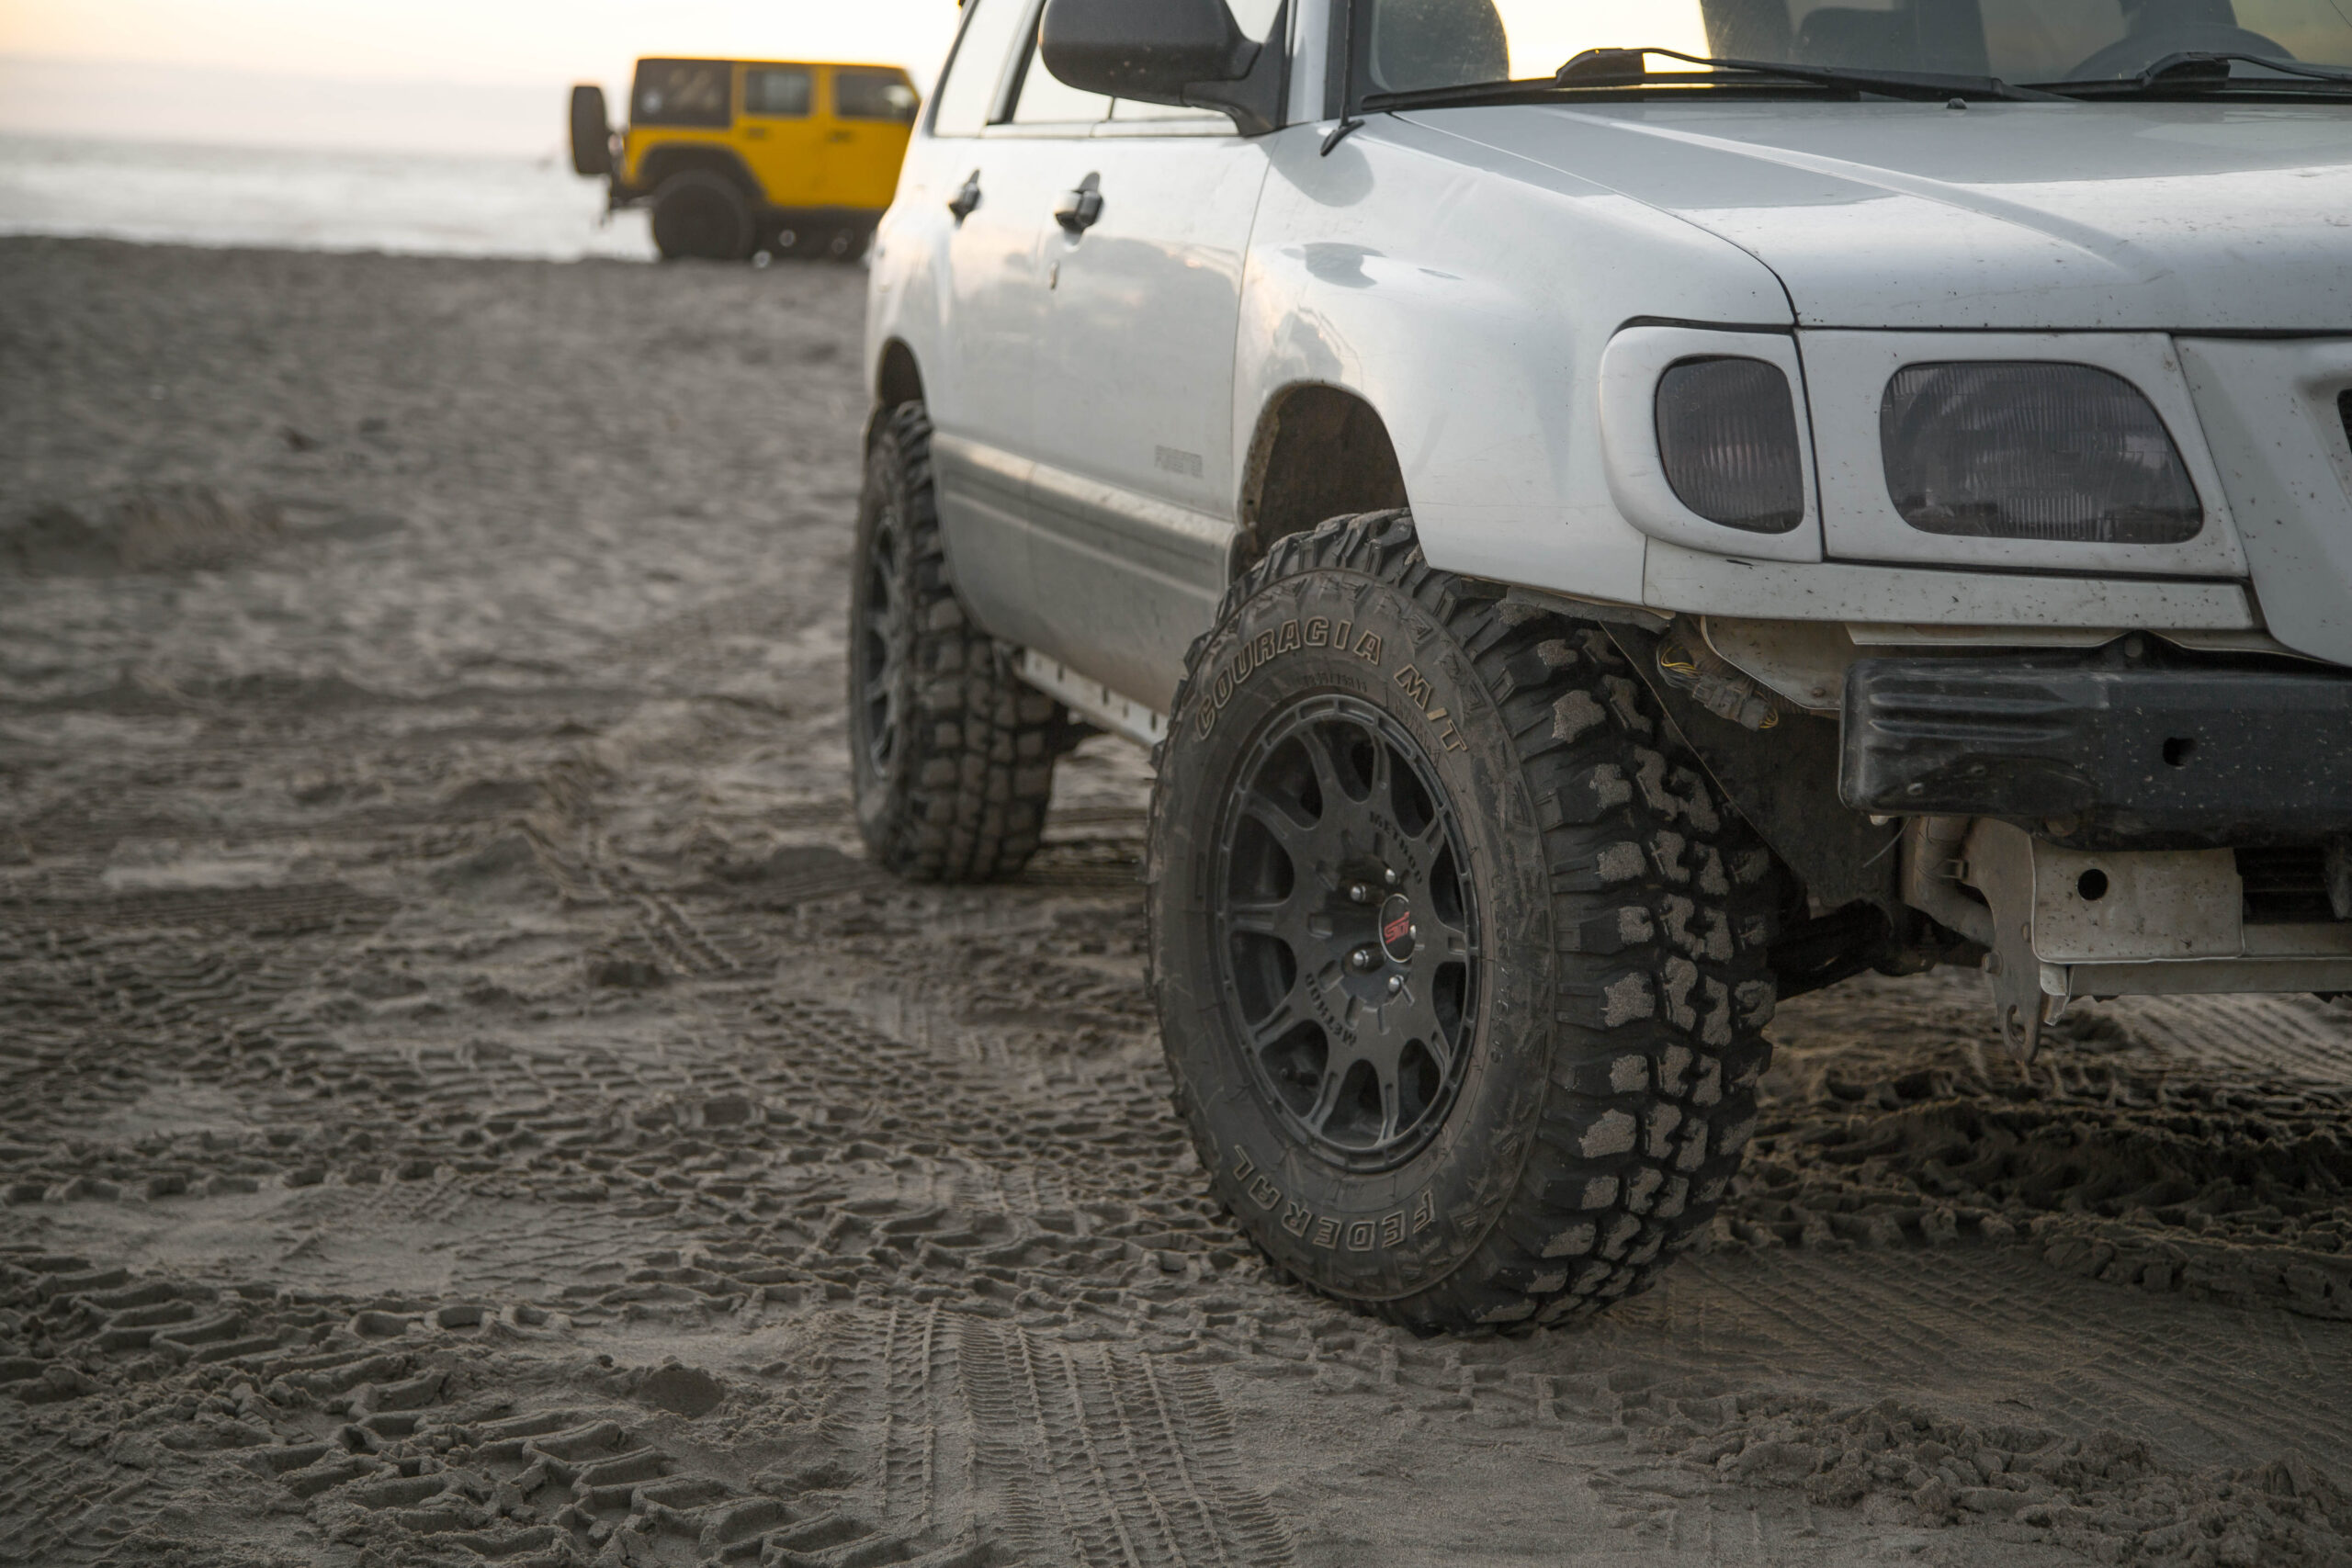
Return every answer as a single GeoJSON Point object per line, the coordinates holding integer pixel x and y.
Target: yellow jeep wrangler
{"type": "Point", "coordinates": [736, 156]}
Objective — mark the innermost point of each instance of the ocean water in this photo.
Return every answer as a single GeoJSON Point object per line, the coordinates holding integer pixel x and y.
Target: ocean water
{"type": "Point", "coordinates": [435, 204]}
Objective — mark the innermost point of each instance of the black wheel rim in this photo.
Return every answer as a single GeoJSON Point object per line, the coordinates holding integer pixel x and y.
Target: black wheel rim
{"type": "Point", "coordinates": [1347, 932]}
{"type": "Point", "coordinates": [881, 646]}
{"type": "Point", "coordinates": [704, 226]}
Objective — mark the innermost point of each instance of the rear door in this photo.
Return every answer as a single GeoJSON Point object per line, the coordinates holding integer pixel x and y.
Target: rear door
{"type": "Point", "coordinates": [780, 135]}
{"type": "Point", "coordinates": [981, 384]}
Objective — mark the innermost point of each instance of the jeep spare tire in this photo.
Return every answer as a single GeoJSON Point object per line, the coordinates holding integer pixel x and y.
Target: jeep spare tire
{"type": "Point", "coordinates": [591, 133]}
{"type": "Point", "coordinates": [1459, 960]}
{"type": "Point", "coordinates": [700, 216]}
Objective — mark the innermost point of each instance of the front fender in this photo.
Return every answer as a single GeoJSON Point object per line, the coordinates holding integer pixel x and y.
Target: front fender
{"type": "Point", "coordinates": [1467, 295]}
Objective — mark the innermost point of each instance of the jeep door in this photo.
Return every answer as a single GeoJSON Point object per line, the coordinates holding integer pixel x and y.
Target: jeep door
{"type": "Point", "coordinates": [874, 111]}
{"type": "Point", "coordinates": [779, 133]}
{"type": "Point", "coordinates": [1134, 495]}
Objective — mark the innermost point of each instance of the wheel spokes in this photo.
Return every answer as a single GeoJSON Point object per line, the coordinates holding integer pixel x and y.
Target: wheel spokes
{"type": "Point", "coordinates": [880, 653]}
{"type": "Point", "coordinates": [1359, 1025]}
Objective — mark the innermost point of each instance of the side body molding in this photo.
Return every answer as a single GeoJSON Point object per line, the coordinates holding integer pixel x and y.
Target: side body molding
{"type": "Point", "coordinates": [1022, 536]}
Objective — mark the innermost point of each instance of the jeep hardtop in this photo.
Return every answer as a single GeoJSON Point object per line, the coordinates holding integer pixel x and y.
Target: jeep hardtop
{"type": "Point", "coordinates": [1610, 516]}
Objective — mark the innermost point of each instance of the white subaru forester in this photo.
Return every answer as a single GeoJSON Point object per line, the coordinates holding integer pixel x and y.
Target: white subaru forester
{"type": "Point", "coordinates": [1614, 511]}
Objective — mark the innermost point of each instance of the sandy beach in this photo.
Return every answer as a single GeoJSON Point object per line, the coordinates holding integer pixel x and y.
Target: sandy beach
{"type": "Point", "coordinates": [465, 1097]}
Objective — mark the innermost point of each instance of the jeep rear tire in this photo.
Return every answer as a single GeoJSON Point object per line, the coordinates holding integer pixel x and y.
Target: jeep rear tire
{"type": "Point", "coordinates": [700, 216]}
{"type": "Point", "coordinates": [1459, 960]}
{"type": "Point", "coordinates": [951, 756]}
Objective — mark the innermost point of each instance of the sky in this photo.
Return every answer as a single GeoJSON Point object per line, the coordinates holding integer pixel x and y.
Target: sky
{"type": "Point", "coordinates": [443, 75]}
{"type": "Point", "coordinates": [490, 75]}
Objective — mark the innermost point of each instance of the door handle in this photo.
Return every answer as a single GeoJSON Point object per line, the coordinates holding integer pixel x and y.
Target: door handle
{"type": "Point", "coordinates": [1081, 209]}
{"type": "Point", "coordinates": [843, 136]}
{"type": "Point", "coordinates": [755, 133]}
{"type": "Point", "coordinates": [968, 200]}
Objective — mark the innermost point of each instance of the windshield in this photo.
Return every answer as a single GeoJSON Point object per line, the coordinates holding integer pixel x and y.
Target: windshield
{"type": "Point", "coordinates": [1416, 45]}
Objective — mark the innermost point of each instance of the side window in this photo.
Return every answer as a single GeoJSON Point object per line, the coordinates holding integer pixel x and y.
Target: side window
{"type": "Point", "coordinates": [1256, 18]}
{"type": "Point", "coordinates": [782, 92]}
{"type": "Point", "coordinates": [1046, 99]}
{"type": "Point", "coordinates": [684, 93]}
{"type": "Point", "coordinates": [874, 94]}
{"type": "Point", "coordinates": [967, 96]}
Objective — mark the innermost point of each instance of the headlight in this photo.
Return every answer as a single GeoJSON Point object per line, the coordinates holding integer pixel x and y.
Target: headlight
{"type": "Point", "coordinates": [1727, 433]}
{"type": "Point", "coordinates": [2027, 451]}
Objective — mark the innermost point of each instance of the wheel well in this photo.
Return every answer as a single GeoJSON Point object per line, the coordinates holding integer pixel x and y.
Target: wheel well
{"type": "Point", "coordinates": [1319, 453]}
{"type": "Point", "coordinates": [899, 380]}
{"type": "Point", "coordinates": [664, 161]}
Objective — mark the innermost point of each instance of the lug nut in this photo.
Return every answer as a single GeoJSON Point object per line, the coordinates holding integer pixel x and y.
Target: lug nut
{"type": "Point", "coordinates": [1395, 984]}
{"type": "Point", "coordinates": [1364, 959]}
{"type": "Point", "coordinates": [1391, 878]}
{"type": "Point", "coordinates": [1358, 894]}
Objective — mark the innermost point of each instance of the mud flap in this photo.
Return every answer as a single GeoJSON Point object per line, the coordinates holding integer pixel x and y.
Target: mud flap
{"type": "Point", "coordinates": [2000, 866]}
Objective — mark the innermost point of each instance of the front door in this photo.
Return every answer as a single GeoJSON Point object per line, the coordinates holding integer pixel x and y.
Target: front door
{"type": "Point", "coordinates": [1134, 495]}
{"type": "Point", "coordinates": [780, 134]}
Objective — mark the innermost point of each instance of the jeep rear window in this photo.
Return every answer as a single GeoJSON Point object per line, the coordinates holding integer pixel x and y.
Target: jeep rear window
{"type": "Point", "coordinates": [684, 93]}
{"type": "Point", "coordinates": [874, 94]}
{"type": "Point", "coordinates": [779, 91]}
{"type": "Point", "coordinates": [1415, 45]}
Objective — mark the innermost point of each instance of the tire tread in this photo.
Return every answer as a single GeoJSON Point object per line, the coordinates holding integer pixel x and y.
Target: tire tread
{"type": "Point", "coordinates": [1662, 902]}
{"type": "Point", "coordinates": [977, 753]}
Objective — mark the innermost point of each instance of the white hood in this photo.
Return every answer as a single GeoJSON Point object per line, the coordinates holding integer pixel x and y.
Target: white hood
{"type": "Point", "coordinates": [2178, 218]}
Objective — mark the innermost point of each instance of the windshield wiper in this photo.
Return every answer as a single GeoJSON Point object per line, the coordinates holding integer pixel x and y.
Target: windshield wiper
{"type": "Point", "coordinates": [1605, 69]}
{"type": "Point", "coordinates": [1627, 68]}
{"type": "Point", "coordinates": [2196, 72]}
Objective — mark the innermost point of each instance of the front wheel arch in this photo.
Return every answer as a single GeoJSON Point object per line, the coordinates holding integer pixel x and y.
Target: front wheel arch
{"type": "Point", "coordinates": [1626, 986]}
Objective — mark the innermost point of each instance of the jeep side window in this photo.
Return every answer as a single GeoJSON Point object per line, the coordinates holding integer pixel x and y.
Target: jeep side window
{"type": "Point", "coordinates": [684, 93]}
{"type": "Point", "coordinates": [967, 96]}
{"type": "Point", "coordinates": [874, 94]}
{"type": "Point", "coordinates": [781, 92]}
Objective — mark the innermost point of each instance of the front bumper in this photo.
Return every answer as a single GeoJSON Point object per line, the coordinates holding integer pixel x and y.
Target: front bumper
{"type": "Point", "coordinates": [2103, 750]}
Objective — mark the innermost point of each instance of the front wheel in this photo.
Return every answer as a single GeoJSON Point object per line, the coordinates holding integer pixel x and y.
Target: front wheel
{"type": "Point", "coordinates": [1460, 962]}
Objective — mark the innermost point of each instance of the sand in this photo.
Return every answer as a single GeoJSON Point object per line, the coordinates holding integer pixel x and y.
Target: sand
{"type": "Point", "coordinates": [464, 1097]}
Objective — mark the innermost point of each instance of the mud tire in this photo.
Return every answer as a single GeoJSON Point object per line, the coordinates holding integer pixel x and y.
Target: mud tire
{"type": "Point", "coordinates": [1621, 987]}
{"type": "Point", "coordinates": [700, 216]}
{"type": "Point", "coordinates": [592, 134]}
{"type": "Point", "coordinates": [952, 756]}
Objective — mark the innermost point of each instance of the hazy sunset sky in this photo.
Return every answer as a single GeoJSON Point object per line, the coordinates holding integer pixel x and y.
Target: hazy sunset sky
{"type": "Point", "coordinates": [469, 40]}
{"type": "Point", "coordinates": [482, 74]}
{"type": "Point", "coordinates": [450, 75]}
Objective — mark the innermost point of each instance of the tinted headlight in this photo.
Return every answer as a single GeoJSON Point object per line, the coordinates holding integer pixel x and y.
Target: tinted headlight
{"type": "Point", "coordinates": [2057, 452]}
{"type": "Point", "coordinates": [1727, 431]}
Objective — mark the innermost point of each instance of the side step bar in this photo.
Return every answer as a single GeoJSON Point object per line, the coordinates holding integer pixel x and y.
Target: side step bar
{"type": "Point", "coordinates": [1092, 701]}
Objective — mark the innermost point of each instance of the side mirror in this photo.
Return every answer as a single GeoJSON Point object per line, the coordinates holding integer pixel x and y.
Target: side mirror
{"type": "Point", "coordinates": [1187, 52]}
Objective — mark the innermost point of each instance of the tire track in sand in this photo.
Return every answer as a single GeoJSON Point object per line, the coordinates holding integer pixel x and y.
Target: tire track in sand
{"type": "Point", "coordinates": [2211, 1379]}
{"type": "Point", "coordinates": [1100, 1456]}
